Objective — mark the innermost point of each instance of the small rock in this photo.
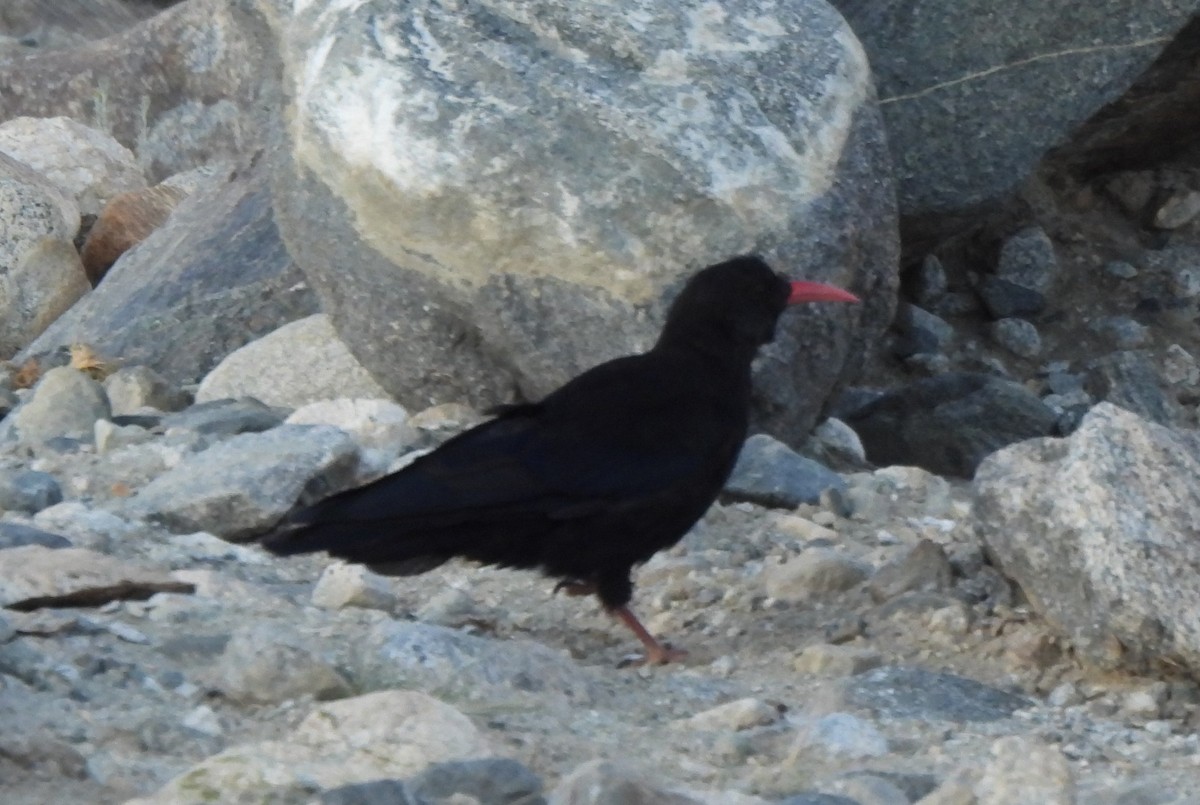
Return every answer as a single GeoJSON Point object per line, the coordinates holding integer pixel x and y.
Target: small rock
{"type": "Point", "coordinates": [7, 632]}
{"type": "Point", "coordinates": [827, 659]}
{"type": "Point", "coordinates": [449, 606]}
{"type": "Point", "coordinates": [1146, 703]}
{"type": "Point", "coordinates": [301, 362]}
{"type": "Point", "coordinates": [1122, 332]}
{"type": "Point", "coordinates": [381, 428]}
{"type": "Point", "coordinates": [1027, 259]}
{"type": "Point", "coordinates": [484, 780]}
{"type": "Point", "coordinates": [1063, 382]}
{"type": "Point", "coordinates": [341, 585]}
{"type": "Point", "coordinates": [134, 388]}
{"type": "Point", "coordinates": [204, 720]}
{"type": "Point", "coordinates": [801, 528]}
{"type": "Point", "coordinates": [1024, 770]}
{"type": "Point", "coordinates": [1018, 336]}
{"type": "Point", "coordinates": [65, 402]}
{"type": "Point", "coordinates": [1120, 269]}
{"type": "Point", "coordinates": [600, 782]}
{"type": "Point", "coordinates": [109, 437]}
{"type": "Point", "coordinates": [264, 663]}
{"type": "Point", "coordinates": [897, 692]}
{"type": "Point", "coordinates": [835, 443]}
{"type": "Point", "coordinates": [245, 484]}
{"type": "Point", "coordinates": [929, 281]}
{"type": "Point", "coordinates": [33, 576]}
{"type": "Point", "coordinates": [920, 331]}
{"type": "Point", "coordinates": [1185, 282]}
{"type": "Point", "coordinates": [1133, 190]}
{"type": "Point", "coordinates": [741, 714]}
{"type": "Point", "coordinates": [1065, 695]}
{"type": "Point", "coordinates": [841, 735]}
{"type": "Point", "coordinates": [387, 735]}
{"type": "Point", "coordinates": [124, 631]}
{"type": "Point", "coordinates": [28, 491]}
{"type": "Point", "coordinates": [816, 574]}
{"type": "Point", "coordinates": [1179, 210]}
{"type": "Point", "coordinates": [1179, 368]}
{"type": "Point", "coordinates": [770, 473]}
{"type": "Point", "coordinates": [1004, 299]}
{"type": "Point", "coordinates": [13, 535]}
{"type": "Point", "coordinates": [871, 789]}
{"type": "Point", "coordinates": [225, 417]}
{"type": "Point", "coordinates": [925, 567]}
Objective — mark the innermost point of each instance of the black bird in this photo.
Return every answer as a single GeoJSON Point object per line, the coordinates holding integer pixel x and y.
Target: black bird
{"type": "Point", "coordinates": [597, 477]}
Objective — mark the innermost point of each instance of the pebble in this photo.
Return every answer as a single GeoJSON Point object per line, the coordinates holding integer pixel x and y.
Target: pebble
{"type": "Point", "coordinates": [1122, 332]}
{"type": "Point", "coordinates": [828, 659]}
{"type": "Point", "coordinates": [345, 585]}
{"type": "Point", "coordinates": [1018, 336]}
{"type": "Point", "coordinates": [1180, 209]}
{"type": "Point", "coordinates": [1120, 269]}
{"type": "Point", "coordinates": [741, 714]}
{"type": "Point", "coordinates": [816, 574]}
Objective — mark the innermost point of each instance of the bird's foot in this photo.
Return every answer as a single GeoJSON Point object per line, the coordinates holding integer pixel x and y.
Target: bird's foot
{"type": "Point", "coordinates": [575, 588]}
{"type": "Point", "coordinates": [662, 654]}
{"type": "Point", "coordinates": [656, 653]}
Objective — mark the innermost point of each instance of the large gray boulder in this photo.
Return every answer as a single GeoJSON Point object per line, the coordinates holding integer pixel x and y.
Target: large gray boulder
{"type": "Point", "coordinates": [490, 198]}
{"type": "Point", "coordinates": [974, 92]}
{"type": "Point", "coordinates": [1099, 530]}
{"type": "Point", "coordinates": [214, 277]}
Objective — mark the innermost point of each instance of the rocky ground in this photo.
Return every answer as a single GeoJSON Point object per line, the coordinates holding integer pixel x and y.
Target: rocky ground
{"type": "Point", "coordinates": [870, 636]}
{"type": "Point", "coordinates": [857, 650]}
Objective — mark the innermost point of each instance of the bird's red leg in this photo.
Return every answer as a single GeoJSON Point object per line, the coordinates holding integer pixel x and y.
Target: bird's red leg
{"type": "Point", "coordinates": [656, 653]}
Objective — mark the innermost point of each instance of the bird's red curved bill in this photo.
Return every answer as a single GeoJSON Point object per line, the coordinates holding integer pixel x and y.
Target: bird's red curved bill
{"type": "Point", "coordinates": [818, 292]}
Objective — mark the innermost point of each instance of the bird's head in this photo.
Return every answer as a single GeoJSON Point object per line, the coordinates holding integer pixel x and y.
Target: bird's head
{"type": "Point", "coordinates": [743, 299]}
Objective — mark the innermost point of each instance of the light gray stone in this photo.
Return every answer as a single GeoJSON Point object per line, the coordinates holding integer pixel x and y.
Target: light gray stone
{"type": "Point", "coordinates": [341, 585]}
{"type": "Point", "coordinates": [827, 659]}
{"type": "Point", "coordinates": [600, 782]}
{"type": "Point", "coordinates": [41, 276]}
{"type": "Point", "coordinates": [382, 735]}
{"type": "Point", "coordinates": [268, 662]}
{"type": "Point", "coordinates": [449, 662]}
{"type": "Point", "coordinates": [65, 402]}
{"type": "Point", "coordinates": [1180, 209]}
{"type": "Point", "coordinates": [87, 163]}
{"type": "Point", "coordinates": [1025, 770]}
{"type": "Point", "coordinates": [302, 362]}
{"type": "Point", "coordinates": [132, 388]}
{"type": "Point", "coordinates": [816, 574]}
{"type": "Point", "coordinates": [245, 484]}
{"type": "Point", "coordinates": [770, 473]}
{"type": "Point", "coordinates": [841, 735]}
{"type": "Point", "coordinates": [34, 576]}
{"type": "Point", "coordinates": [1067, 520]}
{"type": "Point", "coordinates": [740, 714]}
{"type": "Point", "coordinates": [904, 693]}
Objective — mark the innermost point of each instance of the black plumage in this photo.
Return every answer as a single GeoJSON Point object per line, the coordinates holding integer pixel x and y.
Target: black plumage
{"type": "Point", "coordinates": [598, 476]}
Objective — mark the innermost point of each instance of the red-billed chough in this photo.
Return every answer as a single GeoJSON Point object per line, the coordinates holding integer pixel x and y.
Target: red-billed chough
{"type": "Point", "coordinates": [597, 477]}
